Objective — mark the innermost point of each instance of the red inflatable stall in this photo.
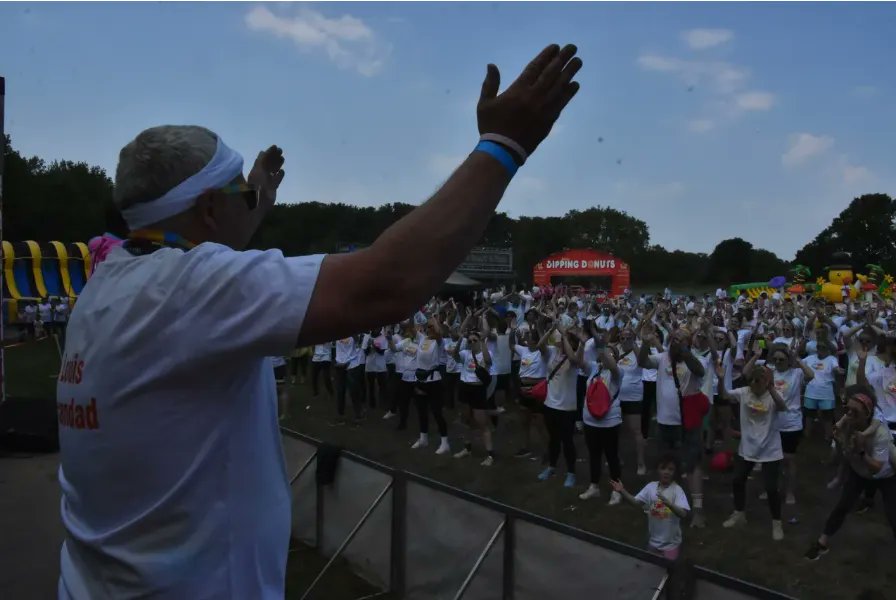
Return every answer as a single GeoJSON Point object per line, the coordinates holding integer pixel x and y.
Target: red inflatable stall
{"type": "Point", "coordinates": [583, 263]}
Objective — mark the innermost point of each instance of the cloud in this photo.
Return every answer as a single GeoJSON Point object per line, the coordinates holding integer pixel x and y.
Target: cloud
{"type": "Point", "coordinates": [804, 146]}
{"type": "Point", "coordinates": [701, 39]}
{"type": "Point", "coordinates": [855, 173]}
{"type": "Point", "coordinates": [865, 91]}
{"type": "Point", "coordinates": [701, 125]}
{"type": "Point", "coordinates": [723, 77]}
{"type": "Point", "coordinates": [347, 41]}
{"type": "Point", "coordinates": [443, 165]}
{"type": "Point", "coordinates": [754, 101]}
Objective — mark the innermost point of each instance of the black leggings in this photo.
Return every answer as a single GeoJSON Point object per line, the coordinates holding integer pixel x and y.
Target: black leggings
{"type": "Point", "coordinates": [403, 393]}
{"type": "Point", "coordinates": [392, 381]}
{"type": "Point", "coordinates": [600, 441]}
{"type": "Point", "coordinates": [561, 425]}
{"type": "Point", "coordinates": [852, 488]}
{"type": "Point", "coordinates": [647, 407]}
{"type": "Point", "coordinates": [581, 388]}
{"type": "Point", "coordinates": [298, 364]}
{"type": "Point", "coordinates": [351, 380]}
{"type": "Point", "coordinates": [770, 473]}
{"type": "Point", "coordinates": [449, 388]}
{"type": "Point", "coordinates": [316, 369]}
{"type": "Point", "coordinates": [428, 397]}
{"type": "Point", "coordinates": [376, 380]}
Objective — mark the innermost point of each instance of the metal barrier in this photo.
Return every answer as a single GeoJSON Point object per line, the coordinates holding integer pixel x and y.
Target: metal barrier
{"type": "Point", "coordinates": [418, 538]}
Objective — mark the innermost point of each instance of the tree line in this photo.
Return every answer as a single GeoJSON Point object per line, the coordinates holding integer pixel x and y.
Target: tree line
{"type": "Point", "coordinates": [72, 201]}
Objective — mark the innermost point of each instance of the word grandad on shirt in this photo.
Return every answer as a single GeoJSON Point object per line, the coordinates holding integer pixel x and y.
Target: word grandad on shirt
{"type": "Point", "coordinates": [76, 413]}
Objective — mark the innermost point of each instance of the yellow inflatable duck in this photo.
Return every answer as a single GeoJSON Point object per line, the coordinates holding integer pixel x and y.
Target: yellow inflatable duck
{"type": "Point", "coordinates": [839, 274]}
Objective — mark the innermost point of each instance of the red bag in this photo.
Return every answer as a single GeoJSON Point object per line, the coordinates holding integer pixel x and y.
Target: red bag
{"type": "Point", "coordinates": [693, 409]}
{"type": "Point", "coordinates": [598, 398]}
{"type": "Point", "coordinates": [539, 391]}
{"type": "Point", "coordinates": [722, 461]}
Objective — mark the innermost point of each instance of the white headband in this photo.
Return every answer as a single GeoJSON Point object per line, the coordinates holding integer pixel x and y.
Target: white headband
{"type": "Point", "coordinates": [224, 166]}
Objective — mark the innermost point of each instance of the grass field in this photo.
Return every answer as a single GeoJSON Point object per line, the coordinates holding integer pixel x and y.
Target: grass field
{"type": "Point", "coordinates": [862, 554]}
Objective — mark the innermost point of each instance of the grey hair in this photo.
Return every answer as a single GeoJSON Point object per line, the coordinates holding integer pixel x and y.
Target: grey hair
{"type": "Point", "coordinates": [160, 158]}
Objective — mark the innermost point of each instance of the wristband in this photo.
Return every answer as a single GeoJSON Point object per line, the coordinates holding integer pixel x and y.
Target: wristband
{"type": "Point", "coordinates": [500, 154]}
{"type": "Point", "coordinates": [506, 141]}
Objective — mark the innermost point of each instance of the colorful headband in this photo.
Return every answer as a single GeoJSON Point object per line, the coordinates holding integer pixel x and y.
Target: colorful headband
{"type": "Point", "coordinates": [865, 401]}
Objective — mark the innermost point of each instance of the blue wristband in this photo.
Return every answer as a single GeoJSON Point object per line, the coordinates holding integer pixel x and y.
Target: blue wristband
{"type": "Point", "coordinates": [500, 153]}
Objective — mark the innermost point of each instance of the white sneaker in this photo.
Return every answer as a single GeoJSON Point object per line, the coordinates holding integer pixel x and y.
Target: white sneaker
{"type": "Point", "coordinates": [489, 461]}
{"type": "Point", "coordinates": [777, 531]}
{"type": "Point", "coordinates": [615, 498]}
{"type": "Point", "coordinates": [736, 518]}
{"type": "Point", "coordinates": [580, 426]}
{"type": "Point", "coordinates": [443, 449]}
{"type": "Point", "coordinates": [420, 443]}
{"type": "Point", "coordinates": [389, 414]}
{"type": "Point", "coordinates": [790, 499]}
{"type": "Point", "coordinates": [642, 470]}
{"type": "Point", "coordinates": [501, 410]}
{"type": "Point", "coordinates": [463, 453]}
{"type": "Point", "coordinates": [592, 492]}
{"type": "Point", "coordinates": [763, 496]}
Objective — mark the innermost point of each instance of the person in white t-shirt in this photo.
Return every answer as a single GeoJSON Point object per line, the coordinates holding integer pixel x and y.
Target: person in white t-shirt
{"type": "Point", "coordinates": [760, 442]}
{"type": "Point", "coordinates": [679, 374]}
{"type": "Point", "coordinates": [533, 359]}
{"type": "Point", "coordinates": [375, 368]}
{"type": "Point", "coordinates": [321, 359]}
{"type": "Point", "coordinates": [559, 407]}
{"type": "Point", "coordinates": [428, 386]}
{"type": "Point", "coordinates": [404, 345]}
{"type": "Point", "coordinates": [172, 472]}
{"type": "Point", "coordinates": [631, 393]}
{"type": "Point", "coordinates": [473, 356]}
{"type": "Point", "coordinates": [871, 464]}
{"type": "Point", "coordinates": [349, 376]}
{"type": "Point", "coordinates": [820, 396]}
{"type": "Point", "coordinates": [665, 504]}
{"type": "Point", "coordinates": [602, 431]}
{"type": "Point", "coordinates": [789, 375]}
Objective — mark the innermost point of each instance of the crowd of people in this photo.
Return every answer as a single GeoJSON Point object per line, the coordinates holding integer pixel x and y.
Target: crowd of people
{"type": "Point", "coordinates": [44, 317]}
{"type": "Point", "coordinates": [698, 374]}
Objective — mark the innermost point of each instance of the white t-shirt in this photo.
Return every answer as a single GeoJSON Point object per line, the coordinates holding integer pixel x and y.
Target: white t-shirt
{"type": "Point", "coordinates": [821, 387]}
{"type": "Point", "coordinates": [428, 353]}
{"type": "Point", "coordinates": [348, 351]}
{"type": "Point", "coordinates": [789, 385]}
{"type": "Point", "coordinates": [468, 366]}
{"type": "Point", "coordinates": [663, 525]}
{"type": "Point", "coordinates": [668, 405]}
{"type": "Point", "coordinates": [375, 362]}
{"type": "Point", "coordinates": [759, 438]}
{"type": "Point", "coordinates": [45, 311]}
{"type": "Point", "coordinates": [872, 364]}
{"type": "Point", "coordinates": [60, 312]}
{"type": "Point", "coordinates": [632, 387]}
{"type": "Point", "coordinates": [448, 346]}
{"type": "Point", "coordinates": [407, 349]}
{"type": "Point", "coordinates": [884, 383]}
{"type": "Point", "coordinates": [501, 354]}
{"type": "Point", "coordinates": [562, 388]}
{"type": "Point", "coordinates": [589, 356]}
{"type": "Point", "coordinates": [614, 415]}
{"type": "Point", "coordinates": [650, 374]}
{"type": "Point", "coordinates": [172, 473]}
{"type": "Point", "coordinates": [403, 360]}
{"type": "Point", "coordinates": [30, 313]}
{"type": "Point", "coordinates": [532, 365]}
{"type": "Point", "coordinates": [323, 352]}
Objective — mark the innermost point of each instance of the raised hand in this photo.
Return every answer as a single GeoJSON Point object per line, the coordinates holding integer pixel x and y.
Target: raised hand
{"type": "Point", "coordinates": [267, 173]}
{"type": "Point", "coordinates": [526, 111]}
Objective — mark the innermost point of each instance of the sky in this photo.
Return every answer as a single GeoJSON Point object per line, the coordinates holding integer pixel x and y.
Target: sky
{"type": "Point", "coordinates": [705, 120]}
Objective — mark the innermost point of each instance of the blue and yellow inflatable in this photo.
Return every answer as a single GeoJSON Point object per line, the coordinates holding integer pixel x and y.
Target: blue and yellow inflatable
{"type": "Point", "coordinates": [51, 270]}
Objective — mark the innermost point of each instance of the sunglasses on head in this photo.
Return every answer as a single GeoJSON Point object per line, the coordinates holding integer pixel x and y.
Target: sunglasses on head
{"type": "Point", "coordinates": [249, 193]}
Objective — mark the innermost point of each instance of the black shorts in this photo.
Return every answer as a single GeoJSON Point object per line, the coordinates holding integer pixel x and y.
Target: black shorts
{"type": "Point", "coordinates": [632, 408]}
{"type": "Point", "coordinates": [280, 373]}
{"type": "Point", "coordinates": [790, 440]}
{"type": "Point", "coordinates": [515, 368]}
{"type": "Point", "coordinates": [474, 395]}
{"type": "Point", "coordinates": [503, 382]}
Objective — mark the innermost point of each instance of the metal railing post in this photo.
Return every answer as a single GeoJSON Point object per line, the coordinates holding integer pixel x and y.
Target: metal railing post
{"type": "Point", "coordinates": [348, 539]}
{"type": "Point", "coordinates": [509, 549]}
{"type": "Point", "coordinates": [479, 561]}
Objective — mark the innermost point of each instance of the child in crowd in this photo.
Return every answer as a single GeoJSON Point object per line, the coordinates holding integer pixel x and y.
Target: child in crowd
{"type": "Point", "coordinates": [666, 506]}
